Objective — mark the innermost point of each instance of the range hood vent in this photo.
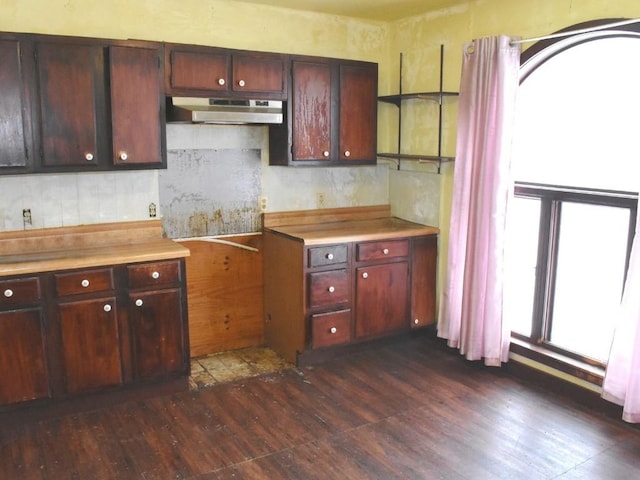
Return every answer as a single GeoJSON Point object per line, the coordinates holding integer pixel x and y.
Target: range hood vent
{"type": "Point", "coordinates": [223, 111]}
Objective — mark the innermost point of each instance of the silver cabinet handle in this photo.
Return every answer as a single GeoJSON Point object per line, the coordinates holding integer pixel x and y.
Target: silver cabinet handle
{"type": "Point", "coordinates": [155, 275]}
{"type": "Point", "coordinates": [241, 83]}
{"type": "Point", "coordinates": [365, 275]}
{"type": "Point", "coordinates": [331, 289]}
{"type": "Point", "coordinates": [329, 256]}
{"type": "Point", "coordinates": [221, 81]}
{"type": "Point", "coordinates": [84, 283]}
{"type": "Point", "coordinates": [416, 321]}
{"type": "Point", "coordinates": [139, 303]}
{"type": "Point", "coordinates": [333, 329]}
{"type": "Point", "coordinates": [347, 153]}
{"type": "Point", "coordinates": [123, 156]}
{"type": "Point", "coordinates": [8, 293]}
{"type": "Point", "coordinates": [325, 153]}
{"type": "Point", "coordinates": [107, 308]}
{"type": "Point", "coordinates": [88, 156]}
{"type": "Point", "coordinates": [385, 251]}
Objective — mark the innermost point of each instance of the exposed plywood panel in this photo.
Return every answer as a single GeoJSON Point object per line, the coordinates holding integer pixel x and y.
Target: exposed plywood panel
{"type": "Point", "coordinates": [224, 288]}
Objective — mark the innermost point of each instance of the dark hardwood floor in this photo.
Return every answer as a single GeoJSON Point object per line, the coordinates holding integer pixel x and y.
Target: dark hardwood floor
{"type": "Point", "coordinates": [408, 409]}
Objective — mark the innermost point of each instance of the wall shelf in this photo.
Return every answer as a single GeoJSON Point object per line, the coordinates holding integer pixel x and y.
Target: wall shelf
{"type": "Point", "coordinates": [438, 96]}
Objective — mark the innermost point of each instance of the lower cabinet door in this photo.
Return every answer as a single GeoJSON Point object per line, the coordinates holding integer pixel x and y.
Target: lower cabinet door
{"type": "Point", "coordinates": [90, 344]}
{"type": "Point", "coordinates": [381, 299]}
{"type": "Point", "coordinates": [23, 367]}
{"type": "Point", "coordinates": [156, 320]}
{"type": "Point", "coordinates": [331, 328]}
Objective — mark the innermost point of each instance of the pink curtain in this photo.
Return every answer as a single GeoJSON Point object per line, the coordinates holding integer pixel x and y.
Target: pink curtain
{"type": "Point", "coordinates": [470, 315]}
{"type": "Point", "coordinates": [622, 377]}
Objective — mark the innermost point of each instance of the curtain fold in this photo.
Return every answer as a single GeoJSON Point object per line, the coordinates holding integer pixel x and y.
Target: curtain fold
{"type": "Point", "coordinates": [470, 314]}
{"type": "Point", "coordinates": [621, 383]}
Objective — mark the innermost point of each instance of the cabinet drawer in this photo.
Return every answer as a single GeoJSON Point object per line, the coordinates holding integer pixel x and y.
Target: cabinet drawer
{"type": "Point", "coordinates": [331, 328]}
{"type": "Point", "coordinates": [86, 281]}
{"type": "Point", "coordinates": [328, 288]}
{"type": "Point", "coordinates": [153, 274]}
{"type": "Point", "coordinates": [329, 255]}
{"type": "Point", "coordinates": [378, 250]}
{"type": "Point", "coordinates": [19, 291]}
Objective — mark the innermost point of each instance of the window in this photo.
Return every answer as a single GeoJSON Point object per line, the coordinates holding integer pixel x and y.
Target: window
{"type": "Point", "coordinates": [577, 173]}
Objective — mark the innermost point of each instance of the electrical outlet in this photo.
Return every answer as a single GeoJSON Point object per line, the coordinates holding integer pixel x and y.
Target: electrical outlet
{"type": "Point", "coordinates": [26, 216]}
{"type": "Point", "coordinates": [263, 203]}
{"type": "Point", "coordinates": [153, 211]}
{"type": "Point", "coordinates": [320, 199]}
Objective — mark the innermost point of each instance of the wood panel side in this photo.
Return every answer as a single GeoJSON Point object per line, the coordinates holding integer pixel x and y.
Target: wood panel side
{"type": "Point", "coordinates": [325, 215]}
{"type": "Point", "coordinates": [224, 295]}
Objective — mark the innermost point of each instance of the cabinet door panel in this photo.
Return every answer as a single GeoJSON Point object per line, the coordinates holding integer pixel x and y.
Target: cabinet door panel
{"type": "Point", "coordinates": [90, 344]}
{"type": "Point", "coordinates": [328, 288]}
{"type": "Point", "coordinates": [204, 71]}
{"type": "Point", "coordinates": [311, 115]}
{"type": "Point", "coordinates": [157, 333]}
{"type": "Point", "coordinates": [258, 73]}
{"type": "Point", "coordinates": [382, 299]}
{"type": "Point", "coordinates": [331, 328]}
{"type": "Point", "coordinates": [136, 111]}
{"type": "Point", "coordinates": [69, 96]}
{"type": "Point", "coordinates": [16, 149]}
{"type": "Point", "coordinates": [423, 281]}
{"type": "Point", "coordinates": [22, 356]}
{"type": "Point", "coordinates": [358, 112]}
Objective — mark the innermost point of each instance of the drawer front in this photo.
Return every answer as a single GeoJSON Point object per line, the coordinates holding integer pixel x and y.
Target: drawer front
{"type": "Point", "coordinates": [155, 274]}
{"type": "Point", "coordinates": [378, 250]}
{"type": "Point", "coordinates": [328, 288]}
{"type": "Point", "coordinates": [333, 328]}
{"type": "Point", "coordinates": [329, 255]}
{"type": "Point", "coordinates": [86, 281]}
{"type": "Point", "coordinates": [19, 291]}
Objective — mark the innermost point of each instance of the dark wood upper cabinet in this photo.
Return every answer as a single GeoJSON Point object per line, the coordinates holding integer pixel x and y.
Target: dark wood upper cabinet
{"type": "Point", "coordinates": [215, 72]}
{"type": "Point", "coordinates": [16, 140]}
{"type": "Point", "coordinates": [137, 106]}
{"type": "Point", "coordinates": [332, 117]}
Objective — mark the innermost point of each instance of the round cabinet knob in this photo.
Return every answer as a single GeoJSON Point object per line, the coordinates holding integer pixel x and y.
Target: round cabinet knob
{"type": "Point", "coordinates": [241, 83]}
{"type": "Point", "coordinates": [333, 329]}
{"type": "Point", "coordinates": [8, 293]}
{"type": "Point", "coordinates": [221, 81]}
{"type": "Point", "coordinates": [347, 153]}
{"type": "Point", "coordinates": [84, 283]}
{"type": "Point", "coordinates": [139, 303]}
{"type": "Point", "coordinates": [107, 308]}
{"type": "Point", "coordinates": [88, 157]}
{"type": "Point", "coordinates": [365, 275]}
{"type": "Point", "coordinates": [123, 156]}
{"type": "Point", "coordinates": [155, 275]}
{"type": "Point", "coordinates": [416, 321]}
{"type": "Point", "coordinates": [325, 153]}
{"type": "Point", "coordinates": [329, 256]}
{"type": "Point", "coordinates": [332, 289]}
{"type": "Point", "coordinates": [385, 251]}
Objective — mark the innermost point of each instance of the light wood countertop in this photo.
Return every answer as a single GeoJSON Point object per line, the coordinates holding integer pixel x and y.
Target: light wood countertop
{"type": "Point", "coordinates": [86, 246]}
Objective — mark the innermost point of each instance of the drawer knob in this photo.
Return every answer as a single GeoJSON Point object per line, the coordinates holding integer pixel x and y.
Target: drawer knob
{"type": "Point", "coordinates": [84, 283]}
{"type": "Point", "coordinates": [241, 83]}
{"type": "Point", "coordinates": [365, 275]}
{"type": "Point", "coordinates": [8, 293]}
{"type": "Point", "coordinates": [331, 289]}
{"type": "Point", "coordinates": [155, 275]}
{"type": "Point", "coordinates": [88, 156]}
{"type": "Point", "coordinates": [329, 256]}
{"type": "Point", "coordinates": [333, 329]}
{"type": "Point", "coordinates": [385, 251]}
{"type": "Point", "coordinates": [416, 321]}
{"type": "Point", "coordinates": [123, 156]}
{"type": "Point", "coordinates": [139, 303]}
{"type": "Point", "coordinates": [107, 308]}
{"type": "Point", "coordinates": [347, 153]}
{"type": "Point", "coordinates": [325, 153]}
{"type": "Point", "coordinates": [221, 81]}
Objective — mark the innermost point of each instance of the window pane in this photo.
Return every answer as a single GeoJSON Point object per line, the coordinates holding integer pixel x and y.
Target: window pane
{"type": "Point", "coordinates": [589, 277]}
{"type": "Point", "coordinates": [520, 263]}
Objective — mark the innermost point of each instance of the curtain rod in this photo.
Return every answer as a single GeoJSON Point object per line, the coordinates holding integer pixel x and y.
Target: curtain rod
{"type": "Point", "coordinates": [576, 32]}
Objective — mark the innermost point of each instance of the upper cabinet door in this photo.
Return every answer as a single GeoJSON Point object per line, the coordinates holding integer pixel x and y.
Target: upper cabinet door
{"type": "Point", "coordinates": [137, 106]}
{"type": "Point", "coordinates": [71, 88]}
{"type": "Point", "coordinates": [259, 73]}
{"type": "Point", "coordinates": [311, 112]}
{"type": "Point", "coordinates": [198, 70]}
{"type": "Point", "coordinates": [358, 112]}
{"type": "Point", "coordinates": [16, 141]}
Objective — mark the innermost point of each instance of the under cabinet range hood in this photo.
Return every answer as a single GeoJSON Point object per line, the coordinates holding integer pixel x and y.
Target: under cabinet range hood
{"type": "Point", "coordinates": [223, 111]}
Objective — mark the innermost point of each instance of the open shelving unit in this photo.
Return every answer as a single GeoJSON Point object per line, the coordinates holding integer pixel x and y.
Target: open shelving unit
{"type": "Point", "coordinates": [438, 96]}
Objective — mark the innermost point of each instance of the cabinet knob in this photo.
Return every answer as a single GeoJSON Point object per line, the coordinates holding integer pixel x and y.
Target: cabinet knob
{"type": "Point", "coordinates": [329, 256]}
{"type": "Point", "coordinates": [241, 83]}
{"type": "Point", "coordinates": [8, 293]}
{"type": "Point", "coordinates": [221, 81]}
{"type": "Point", "coordinates": [84, 283]}
{"type": "Point", "coordinates": [365, 275]}
{"type": "Point", "coordinates": [347, 153]}
{"type": "Point", "coordinates": [331, 289]}
{"type": "Point", "coordinates": [333, 329]}
{"type": "Point", "coordinates": [107, 308]}
{"type": "Point", "coordinates": [416, 321]}
{"type": "Point", "coordinates": [385, 251]}
{"type": "Point", "coordinates": [88, 156]}
{"type": "Point", "coordinates": [325, 153]}
{"type": "Point", "coordinates": [139, 303]}
{"type": "Point", "coordinates": [155, 275]}
{"type": "Point", "coordinates": [123, 156]}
